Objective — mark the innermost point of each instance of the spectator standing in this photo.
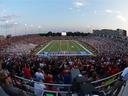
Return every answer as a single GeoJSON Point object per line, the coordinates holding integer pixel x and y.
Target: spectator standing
{"type": "Point", "coordinates": [7, 84]}
{"type": "Point", "coordinates": [39, 75]}
{"type": "Point", "coordinates": [39, 88]}
{"type": "Point", "coordinates": [26, 72]}
{"type": "Point", "coordinates": [120, 82]}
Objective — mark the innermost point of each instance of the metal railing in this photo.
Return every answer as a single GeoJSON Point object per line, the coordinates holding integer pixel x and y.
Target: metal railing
{"type": "Point", "coordinates": [101, 84]}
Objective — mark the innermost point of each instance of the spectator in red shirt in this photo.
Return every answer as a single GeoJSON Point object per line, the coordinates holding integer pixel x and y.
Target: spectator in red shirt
{"type": "Point", "coordinates": [49, 78]}
{"type": "Point", "coordinates": [114, 70]}
{"type": "Point", "coordinates": [26, 71]}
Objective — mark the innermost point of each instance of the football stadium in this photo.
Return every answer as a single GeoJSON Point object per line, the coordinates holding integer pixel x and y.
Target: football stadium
{"type": "Point", "coordinates": [63, 48]}
{"type": "Point", "coordinates": [56, 62]}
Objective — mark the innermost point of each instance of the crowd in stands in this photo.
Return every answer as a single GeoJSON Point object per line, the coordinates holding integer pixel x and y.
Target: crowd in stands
{"type": "Point", "coordinates": [107, 45]}
{"type": "Point", "coordinates": [57, 70]}
{"type": "Point", "coordinates": [109, 61]}
{"type": "Point", "coordinates": [21, 44]}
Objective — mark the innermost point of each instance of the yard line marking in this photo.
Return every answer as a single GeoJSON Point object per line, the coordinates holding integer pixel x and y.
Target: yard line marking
{"type": "Point", "coordinates": [74, 46]}
{"type": "Point", "coordinates": [80, 46]}
{"type": "Point", "coordinates": [84, 48]}
{"type": "Point", "coordinates": [44, 47]}
{"type": "Point", "coordinates": [67, 44]}
{"type": "Point", "coordinates": [60, 45]}
{"type": "Point", "coordinates": [52, 45]}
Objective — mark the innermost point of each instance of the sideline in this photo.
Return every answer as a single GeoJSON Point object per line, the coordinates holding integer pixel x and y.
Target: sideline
{"type": "Point", "coordinates": [44, 48]}
{"type": "Point", "coordinates": [84, 48]}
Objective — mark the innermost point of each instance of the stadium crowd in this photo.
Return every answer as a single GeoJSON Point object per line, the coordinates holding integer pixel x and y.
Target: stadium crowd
{"type": "Point", "coordinates": [108, 61]}
{"type": "Point", "coordinates": [107, 45]}
{"type": "Point", "coordinates": [21, 44]}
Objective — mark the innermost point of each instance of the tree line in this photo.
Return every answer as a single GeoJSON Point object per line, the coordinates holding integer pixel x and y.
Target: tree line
{"type": "Point", "coordinates": [50, 33]}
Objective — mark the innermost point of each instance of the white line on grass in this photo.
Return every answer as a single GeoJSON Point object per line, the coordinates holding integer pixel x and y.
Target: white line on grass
{"type": "Point", "coordinates": [67, 45]}
{"type": "Point", "coordinates": [44, 47]}
{"type": "Point", "coordinates": [60, 45]}
{"type": "Point", "coordinates": [84, 47]}
{"type": "Point", "coordinates": [52, 45]}
{"type": "Point", "coordinates": [73, 42]}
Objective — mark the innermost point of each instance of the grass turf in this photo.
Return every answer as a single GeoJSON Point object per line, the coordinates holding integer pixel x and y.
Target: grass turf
{"type": "Point", "coordinates": [63, 45]}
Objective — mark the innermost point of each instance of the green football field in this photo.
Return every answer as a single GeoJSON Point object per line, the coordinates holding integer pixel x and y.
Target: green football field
{"type": "Point", "coordinates": [64, 47]}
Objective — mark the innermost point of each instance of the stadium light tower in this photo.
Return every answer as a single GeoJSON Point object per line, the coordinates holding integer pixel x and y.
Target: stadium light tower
{"type": "Point", "coordinates": [39, 27]}
{"type": "Point", "coordinates": [6, 22]}
{"type": "Point", "coordinates": [31, 28]}
{"type": "Point", "coordinates": [1, 27]}
{"type": "Point", "coordinates": [25, 28]}
{"type": "Point", "coordinates": [15, 24]}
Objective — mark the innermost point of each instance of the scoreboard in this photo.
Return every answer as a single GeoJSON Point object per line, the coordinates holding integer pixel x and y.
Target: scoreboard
{"type": "Point", "coordinates": [63, 33]}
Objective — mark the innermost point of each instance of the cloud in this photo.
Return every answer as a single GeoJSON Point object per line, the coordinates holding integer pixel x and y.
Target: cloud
{"type": "Point", "coordinates": [78, 4]}
{"type": "Point", "coordinates": [70, 8]}
{"type": "Point", "coordinates": [108, 11]}
{"type": "Point", "coordinates": [122, 18]}
{"type": "Point", "coordinates": [7, 25]}
{"type": "Point", "coordinates": [95, 12]}
{"type": "Point", "coordinates": [117, 14]}
{"type": "Point", "coordinates": [8, 17]}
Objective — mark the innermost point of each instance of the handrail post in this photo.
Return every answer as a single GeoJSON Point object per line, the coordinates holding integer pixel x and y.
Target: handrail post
{"type": "Point", "coordinates": [57, 93]}
{"type": "Point", "coordinates": [69, 91]}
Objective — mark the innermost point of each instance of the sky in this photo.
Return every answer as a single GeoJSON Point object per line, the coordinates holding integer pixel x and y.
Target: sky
{"type": "Point", "coordinates": [35, 16]}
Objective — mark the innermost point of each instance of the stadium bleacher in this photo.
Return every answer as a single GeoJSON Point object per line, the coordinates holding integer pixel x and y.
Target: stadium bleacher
{"type": "Point", "coordinates": [16, 56]}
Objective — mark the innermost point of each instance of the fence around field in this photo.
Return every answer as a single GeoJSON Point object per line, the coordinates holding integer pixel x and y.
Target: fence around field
{"type": "Point", "coordinates": [65, 89]}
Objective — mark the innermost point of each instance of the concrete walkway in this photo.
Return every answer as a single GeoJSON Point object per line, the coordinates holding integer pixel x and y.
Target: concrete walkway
{"type": "Point", "coordinates": [124, 90]}
{"type": "Point", "coordinates": [2, 93]}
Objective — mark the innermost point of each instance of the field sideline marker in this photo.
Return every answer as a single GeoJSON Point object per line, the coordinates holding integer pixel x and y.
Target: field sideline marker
{"type": "Point", "coordinates": [44, 47]}
{"type": "Point", "coordinates": [74, 43]}
{"type": "Point", "coordinates": [83, 47]}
